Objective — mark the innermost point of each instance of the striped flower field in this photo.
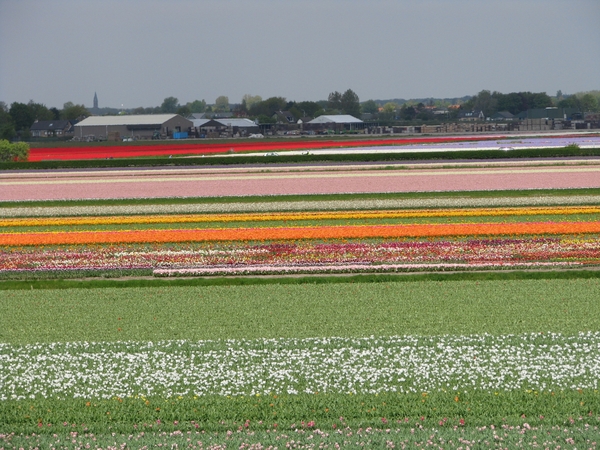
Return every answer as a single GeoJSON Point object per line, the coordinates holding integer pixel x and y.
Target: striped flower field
{"type": "Point", "coordinates": [304, 242]}
{"type": "Point", "coordinates": [149, 337]}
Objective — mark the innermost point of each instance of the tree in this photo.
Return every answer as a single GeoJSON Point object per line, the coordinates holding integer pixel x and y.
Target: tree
{"type": "Point", "coordinates": [73, 112]}
{"type": "Point", "coordinates": [19, 151]}
{"type": "Point", "coordinates": [309, 109]}
{"type": "Point", "coordinates": [251, 100]}
{"type": "Point", "coordinates": [241, 110]}
{"type": "Point", "coordinates": [570, 102]}
{"type": "Point", "coordinates": [486, 103]}
{"type": "Point", "coordinates": [197, 106]}
{"type": "Point", "coordinates": [408, 112]}
{"type": "Point", "coordinates": [39, 111]}
{"type": "Point", "coordinates": [7, 131]}
{"type": "Point", "coordinates": [184, 111]}
{"type": "Point", "coordinates": [390, 107]}
{"type": "Point", "coordinates": [589, 103]}
{"type": "Point", "coordinates": [351, 103]}
{"type": "Point", "coordinates": [222, 103]}
{"type": "Point", "coordinates": [263, 118]}
{"type": "Point", "coordinates": [542, 100]}
{"type": "Point", "coordinates": [55, 113]}
{"type": "Point", "coordinates": [370, 107]}
{"type": "Point", "coordinates": [334, 101]}
{"type": "Point", "coordinates": [169, 105]}
{"type": "Point", "coordinates": [509, 102]}
{"type": "Point", "coordinates": [267, 107]}
{"type": "Point", "coordinates": [22, 116]}
{"type": "Point", "coordinates": [7, 126]}
{"type": "Point", "coordinates": [388, 112]}
{"type": "Point", "coordinates": [295, 112]}
{"type": "Point", "coordinates": [425, 114]}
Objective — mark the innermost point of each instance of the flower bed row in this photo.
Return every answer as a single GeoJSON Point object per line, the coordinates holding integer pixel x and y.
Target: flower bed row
{"type": "Point", "coordinates": [294, 233]}
{"type": "Point", "coordinates": [137, 150]}
{"type": "Point", "coordinates": [233, 257]}
{"type": "Point", "coordinates": [280, 216]}
{"type": "Point", "coordinates": [373, 365]}
{"type": "Point", "coordinates": [353, 268]}
{"type": "Point", "coordinates": [21, 210]}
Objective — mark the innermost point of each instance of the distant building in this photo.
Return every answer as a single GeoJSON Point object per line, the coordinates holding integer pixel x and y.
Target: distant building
{"type": "Point", "coordinates": [551, 113]}
{"type": "Point", "coordinates": [284, 117]}
{"type": "Point", "coordinates": [503, 115]}
{"type": "Point", "coordinates": [471, 116]}
{"type": "Point", "coordinates": [142, 126]}
{"type": "Point", "coordinates": [211, 115]}
{"type": "Point", "coordinates": [337, 123]}
{"type": "Point", "coordinates": [51, 128]}
{"type": "Point", "coordinates": [303, 120]}
{"type": "Point", "coordinates": [230, 127]}
{"type": "Point", "coordinates": [95, 101]}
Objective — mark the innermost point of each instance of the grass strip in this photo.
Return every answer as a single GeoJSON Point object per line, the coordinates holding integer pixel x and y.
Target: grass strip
{"type": "Point", "coordinates": [219, 414]}
{"type": "Point", "coordinates": [583, 433]}
{"type": "Point", "coordinates": [61, 282]}
{"type": "Point", "coordinates": [303, 307]}
{"type": "Point", "coordinates": [29, 275]}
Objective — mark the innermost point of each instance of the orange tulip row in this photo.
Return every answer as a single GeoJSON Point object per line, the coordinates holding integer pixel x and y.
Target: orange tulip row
{"type": "Point", "coordinates": [294, 233]}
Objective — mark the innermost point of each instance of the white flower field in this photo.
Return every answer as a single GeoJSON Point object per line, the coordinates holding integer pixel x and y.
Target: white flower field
{"type": "Point", "coordinates": [411, 364]}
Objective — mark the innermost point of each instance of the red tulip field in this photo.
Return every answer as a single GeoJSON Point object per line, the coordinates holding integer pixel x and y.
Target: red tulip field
{"type": "Point", "coordinates": [199, 148]}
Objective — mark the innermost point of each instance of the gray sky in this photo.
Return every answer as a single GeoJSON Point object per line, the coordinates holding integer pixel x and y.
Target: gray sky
{"type": "Point", "coordinates": [137, 52]}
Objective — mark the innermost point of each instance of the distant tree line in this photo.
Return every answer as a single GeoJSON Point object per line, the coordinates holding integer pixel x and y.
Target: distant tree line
{"type": "Point", "coordinates": [515, 102]}
{"type": "Point", "coordinates": [17, 119]}
{"type": "Point", "coordinates": [488, 102]}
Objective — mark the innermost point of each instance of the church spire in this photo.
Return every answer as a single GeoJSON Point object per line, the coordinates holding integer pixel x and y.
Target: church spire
{"type": "Point", "coordinates": [95, 101]}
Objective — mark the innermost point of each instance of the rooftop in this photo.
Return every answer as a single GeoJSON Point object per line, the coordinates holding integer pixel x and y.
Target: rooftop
{"type": "Point", "coordinates": [339, 118]}
{"type": "Point", "coordinates": [141, 119]}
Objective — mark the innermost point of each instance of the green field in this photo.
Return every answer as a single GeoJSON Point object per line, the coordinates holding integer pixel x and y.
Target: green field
{"type": "Point", "coordinates": [300, 310]}
{"type": "Point", "coordinates": [238, 318]}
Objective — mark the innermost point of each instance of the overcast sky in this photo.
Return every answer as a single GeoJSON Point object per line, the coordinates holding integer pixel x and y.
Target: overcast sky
{"type": "Point", "coordinates": [138, 52]}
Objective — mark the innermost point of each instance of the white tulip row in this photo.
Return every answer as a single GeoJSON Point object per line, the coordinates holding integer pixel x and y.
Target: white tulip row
{"type": "Point", "coordinates": [372, 365]}
{"type": "Point", "coordinates": [19, 210]}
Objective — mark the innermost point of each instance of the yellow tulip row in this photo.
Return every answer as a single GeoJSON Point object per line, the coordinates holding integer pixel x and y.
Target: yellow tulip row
{"type": "Point", "coordinates": [291, 216]}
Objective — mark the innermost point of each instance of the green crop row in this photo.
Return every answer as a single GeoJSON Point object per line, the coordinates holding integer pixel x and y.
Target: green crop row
{"type": "Point", "coordinates": [143, 278]}
{"type": "Point", "coordinates": [582, 433]}
{"type": "Point", "coordinates": [168, 309]}
{"type": "Point", "coordinates": [218, 414]}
